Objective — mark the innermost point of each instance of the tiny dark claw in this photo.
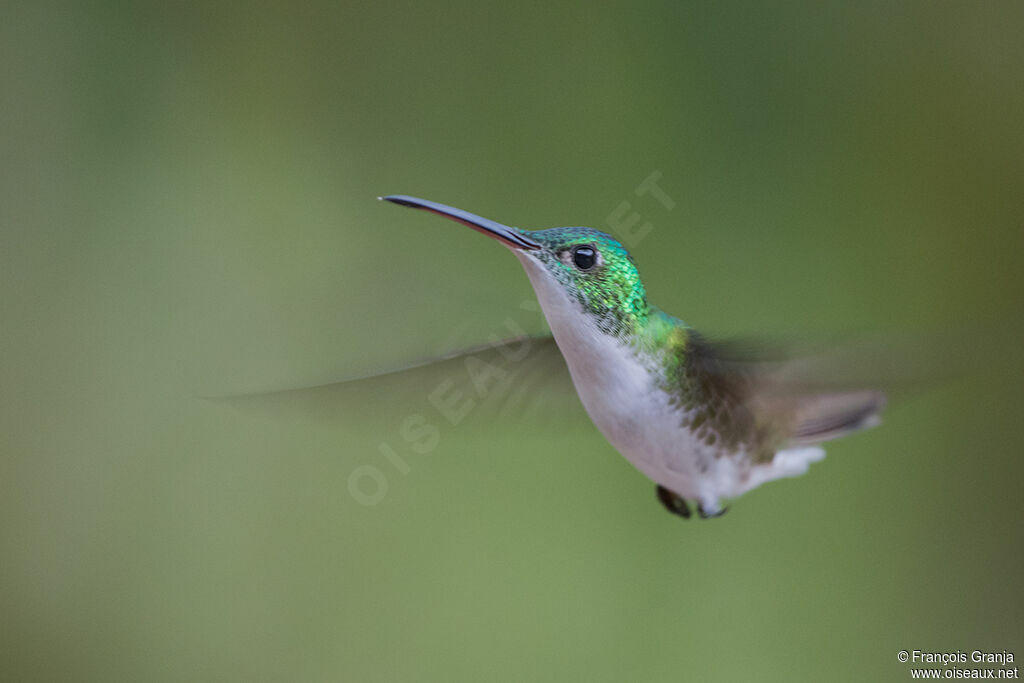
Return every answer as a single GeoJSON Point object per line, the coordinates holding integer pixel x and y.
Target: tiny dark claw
{"type": "Point", "coordinates": [711, 515]}
{"type": "Point", "coordinates": [673, 502]}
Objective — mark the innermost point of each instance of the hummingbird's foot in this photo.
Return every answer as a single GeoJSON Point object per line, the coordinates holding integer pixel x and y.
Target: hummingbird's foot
{"type": "Point", "coordinates": [711, 512]}
{"type": "Point", "coordinates": [673, 502]}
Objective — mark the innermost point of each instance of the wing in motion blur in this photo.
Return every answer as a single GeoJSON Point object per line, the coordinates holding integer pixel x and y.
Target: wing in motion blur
{"type": "Point", "coordinates": [512, 379]}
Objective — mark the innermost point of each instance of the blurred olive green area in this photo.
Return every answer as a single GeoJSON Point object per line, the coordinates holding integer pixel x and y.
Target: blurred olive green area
{"type": "Point", "coordinates": [187, 207]}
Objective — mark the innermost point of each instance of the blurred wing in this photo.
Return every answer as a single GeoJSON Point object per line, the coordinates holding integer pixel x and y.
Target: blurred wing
{"type": "Point", "coordinates": [781, 393]}
{"type": "Point", "coordinates": [771, 397]}
{"type": "Point", "coordinates": [900, 364]}
{"type": "Point", "coordinates": [514, 379]}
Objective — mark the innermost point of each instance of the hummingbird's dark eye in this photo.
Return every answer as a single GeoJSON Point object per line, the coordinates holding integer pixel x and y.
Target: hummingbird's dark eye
{"type": "Point", "coordinates": [584, 257]}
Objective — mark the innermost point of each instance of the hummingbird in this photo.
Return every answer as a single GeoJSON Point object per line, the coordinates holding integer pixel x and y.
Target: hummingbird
{"type": "Point", "coordinates": [703, 420]}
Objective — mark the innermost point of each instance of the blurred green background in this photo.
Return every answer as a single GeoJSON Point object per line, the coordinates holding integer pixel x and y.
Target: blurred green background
{"type": "Point", "coordinates": [187, 208]}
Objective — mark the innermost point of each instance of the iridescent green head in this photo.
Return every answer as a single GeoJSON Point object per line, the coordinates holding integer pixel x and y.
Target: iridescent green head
{"type": "Point", "coordinates": [597, 272]}
{"type": "Point", "coordinates": [588, 266]}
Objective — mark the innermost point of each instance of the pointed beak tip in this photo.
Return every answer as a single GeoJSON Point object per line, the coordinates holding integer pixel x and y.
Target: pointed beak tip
{"type": "Point", "coordinates": [403, 200]}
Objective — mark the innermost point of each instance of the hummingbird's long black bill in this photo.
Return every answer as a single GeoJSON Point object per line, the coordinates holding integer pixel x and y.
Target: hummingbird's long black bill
{"type": "Point", "coordinates": [509, 236]}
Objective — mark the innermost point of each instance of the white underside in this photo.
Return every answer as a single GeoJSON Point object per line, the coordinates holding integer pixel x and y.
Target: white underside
{"type": "Point", "coordinates": [624, 402]}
